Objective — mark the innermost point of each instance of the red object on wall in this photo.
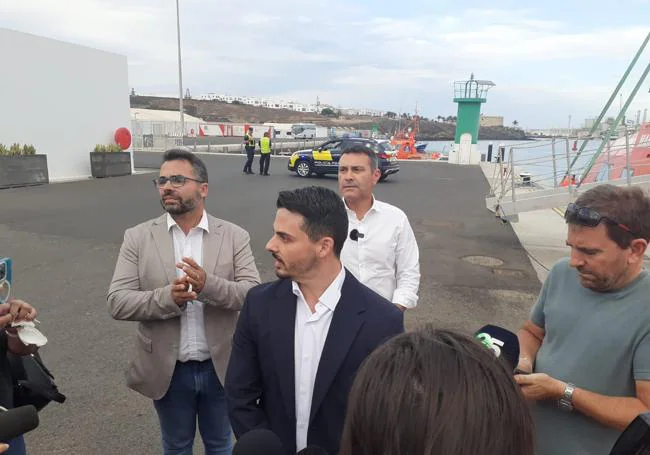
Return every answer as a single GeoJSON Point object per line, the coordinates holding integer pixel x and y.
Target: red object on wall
{"type": "Point", "coordinates": [123, 138]}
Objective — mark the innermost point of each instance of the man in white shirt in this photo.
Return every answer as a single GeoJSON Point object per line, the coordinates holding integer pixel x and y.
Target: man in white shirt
{"type": "Point", "coordinates": [301, 339]}
{"type": "Point", "coordinates": [183, 276]}
{"type": "Point", "coordinates": [382, 251]}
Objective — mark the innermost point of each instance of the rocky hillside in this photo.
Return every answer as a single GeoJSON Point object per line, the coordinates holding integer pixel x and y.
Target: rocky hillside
{"type": "Point", "coordinates": [216, 111]}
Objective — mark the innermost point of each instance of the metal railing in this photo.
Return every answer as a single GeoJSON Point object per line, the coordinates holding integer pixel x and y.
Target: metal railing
{"type": "Point", "coordinates": [521, 182]}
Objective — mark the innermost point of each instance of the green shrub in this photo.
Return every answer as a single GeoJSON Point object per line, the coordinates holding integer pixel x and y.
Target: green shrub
{"type": "Point", "coordinates": [28, 149]}
{"type": "Point", "coordinates": [17, 149]}
{"type": "Point", "coordinates": [110, 148]}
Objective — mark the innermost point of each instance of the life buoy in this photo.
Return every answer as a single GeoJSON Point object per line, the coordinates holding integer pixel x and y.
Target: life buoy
{"type": "Point", "coordinates": [123, 138]}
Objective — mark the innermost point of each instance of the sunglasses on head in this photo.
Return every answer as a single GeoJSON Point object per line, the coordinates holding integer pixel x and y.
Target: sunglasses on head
{"type": "Point", "coordinates": [589, 217]}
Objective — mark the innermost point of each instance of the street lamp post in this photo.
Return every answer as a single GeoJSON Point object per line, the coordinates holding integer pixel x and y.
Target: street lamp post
{"type": "Point", "coordinates": [180, 71]}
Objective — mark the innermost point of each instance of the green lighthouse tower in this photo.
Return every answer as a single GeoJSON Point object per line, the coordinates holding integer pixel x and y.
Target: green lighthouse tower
{"type": "Point", "coordinates": [469, 95]}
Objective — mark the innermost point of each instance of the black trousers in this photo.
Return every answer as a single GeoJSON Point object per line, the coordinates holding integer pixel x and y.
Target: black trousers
{"type": "Point", "coordinates": [265, 160]}
{"type": "Point", "coordinates": [250, 154]}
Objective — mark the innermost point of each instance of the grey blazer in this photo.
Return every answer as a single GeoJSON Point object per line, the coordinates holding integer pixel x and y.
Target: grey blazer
{"type": "Point", "coordinates": [141, 291]}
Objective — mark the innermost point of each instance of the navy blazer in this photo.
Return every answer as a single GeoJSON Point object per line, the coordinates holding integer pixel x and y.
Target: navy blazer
{"type": "Point", "coordinates": [260, 382]}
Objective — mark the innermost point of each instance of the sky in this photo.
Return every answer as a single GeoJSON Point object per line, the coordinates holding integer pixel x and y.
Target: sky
{"type": "Point", "coordinates": [548, 60]}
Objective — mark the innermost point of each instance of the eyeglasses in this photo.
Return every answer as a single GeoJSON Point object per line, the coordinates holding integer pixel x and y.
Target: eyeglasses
{"type": "Point", "coordinates": [176, 180]}
{"type": "Point", "coordinates": [5, 279]}
{"type": "Point", "coordinates": [589, 217]}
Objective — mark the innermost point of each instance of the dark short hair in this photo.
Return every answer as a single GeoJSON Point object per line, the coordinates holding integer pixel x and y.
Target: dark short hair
{"type": "Point", "coordinates": [364, 149]}
{"type": "Point", "coordinates": [198, 167]}
{"type": "Point", "coordinates": [430, 392]}
{"type": "Point", "coordinates": [626, 205]}
{"type": "Point", "coordinates": [323, 211]}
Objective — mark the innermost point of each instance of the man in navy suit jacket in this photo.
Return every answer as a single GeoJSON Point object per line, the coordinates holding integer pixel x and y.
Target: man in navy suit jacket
{"type": "Point", "coordinates": [300, 340]}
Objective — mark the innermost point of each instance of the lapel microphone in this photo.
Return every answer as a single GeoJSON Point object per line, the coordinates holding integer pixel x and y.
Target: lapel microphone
{"type": "Point", "coordinates": [356, 235]}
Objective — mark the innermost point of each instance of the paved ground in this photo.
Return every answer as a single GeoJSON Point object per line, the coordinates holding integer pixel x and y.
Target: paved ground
{"type": "Point", "coordinates": [64, 239]}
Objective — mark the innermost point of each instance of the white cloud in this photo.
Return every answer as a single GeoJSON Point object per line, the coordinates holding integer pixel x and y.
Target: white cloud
{"type": "Point", "coordinates": [346, 54]}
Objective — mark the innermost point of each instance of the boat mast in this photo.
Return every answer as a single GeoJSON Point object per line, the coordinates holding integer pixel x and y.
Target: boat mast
{"type": "Point", "coordinates": [596, 124]}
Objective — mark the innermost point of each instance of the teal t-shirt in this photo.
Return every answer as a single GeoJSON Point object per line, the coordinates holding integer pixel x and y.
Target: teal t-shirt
{"type": "Point", "coordinates": [598, 341]}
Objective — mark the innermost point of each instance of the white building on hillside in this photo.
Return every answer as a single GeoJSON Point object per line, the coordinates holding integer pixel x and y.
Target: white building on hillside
{"type": "Point", "coordinates": [277, 103]}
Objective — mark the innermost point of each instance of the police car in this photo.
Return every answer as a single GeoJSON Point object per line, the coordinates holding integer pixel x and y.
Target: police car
{"type": "Point", "coordinates": [324, 159]}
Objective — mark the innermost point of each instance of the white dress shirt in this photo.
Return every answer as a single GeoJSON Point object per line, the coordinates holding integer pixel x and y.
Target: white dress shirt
{"type": "Point", "coordinates": [193, 344]}
{"type": "Point", "coordinates": [386, 258]}
{"type": "Point", "coordinates": [310, 334]}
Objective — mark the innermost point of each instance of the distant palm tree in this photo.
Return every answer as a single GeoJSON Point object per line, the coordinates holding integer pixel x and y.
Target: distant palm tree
{"type": "Point", "coordinates": [515, 123]}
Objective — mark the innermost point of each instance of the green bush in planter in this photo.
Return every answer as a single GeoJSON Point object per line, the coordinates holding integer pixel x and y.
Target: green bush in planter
{"type": "Point", "coordinates": [17, 149]}
{"type": "Point", "coordinates": [110, 148]}
{"type": "Point", "coordinates": [29, 149]}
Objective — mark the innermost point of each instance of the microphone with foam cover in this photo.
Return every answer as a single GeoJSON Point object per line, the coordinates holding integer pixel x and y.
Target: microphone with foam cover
{"type": "Point", "coordinates": [17, 421]}
{"type": "Point", "coordinates": [259, 442]}
{"type": "Point", "coordinates": [312, 450]}
{"type": "Point", "coordinates": [635, 440]}
{"type": "Point", "coordinates": [502, 342]}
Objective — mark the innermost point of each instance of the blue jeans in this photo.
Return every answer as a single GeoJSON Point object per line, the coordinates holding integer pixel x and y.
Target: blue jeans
{"type": "Point", "coordinates": [16, 446]}
{"type": "Point", "coordinates": [195, 391]}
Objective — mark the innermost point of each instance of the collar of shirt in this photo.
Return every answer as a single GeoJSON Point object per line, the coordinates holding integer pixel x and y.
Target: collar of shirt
{"type": "Point", "coordinates": [375, 207]}
{"type": "Point", "coordinates": [329, 298]}
{"type": "Point", "coordinates": [203, 224]}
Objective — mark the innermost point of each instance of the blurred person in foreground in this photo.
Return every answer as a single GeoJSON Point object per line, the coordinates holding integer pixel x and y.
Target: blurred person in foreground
{"type": "Point", "coordinates": [12, 311]}
{"type": "Point", "coordinates": [434, 392]}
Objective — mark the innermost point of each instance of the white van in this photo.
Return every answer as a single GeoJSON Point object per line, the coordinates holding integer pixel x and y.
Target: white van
{"type": "Point", "coordinates": [303, 131]}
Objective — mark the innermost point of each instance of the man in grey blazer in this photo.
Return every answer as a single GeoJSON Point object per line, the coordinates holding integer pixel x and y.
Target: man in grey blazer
{"type": "Point", "coordinates": [183, 277]}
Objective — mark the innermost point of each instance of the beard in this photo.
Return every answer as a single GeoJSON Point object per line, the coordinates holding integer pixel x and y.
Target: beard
{"type": "Point", "coordinates": [180, 206]}
{"type": "Point", "coordinates": [294, 270]}
{"type": "Point", "coordinates": [601, 283]}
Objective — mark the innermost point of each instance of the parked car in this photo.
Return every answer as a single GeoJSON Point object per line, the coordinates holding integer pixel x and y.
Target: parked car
{"type": "Point", "coordinates": [324, 159]}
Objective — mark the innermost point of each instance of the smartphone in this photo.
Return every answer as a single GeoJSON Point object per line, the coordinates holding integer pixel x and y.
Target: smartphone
{"type": "Point", "coordinates": [5, 279]}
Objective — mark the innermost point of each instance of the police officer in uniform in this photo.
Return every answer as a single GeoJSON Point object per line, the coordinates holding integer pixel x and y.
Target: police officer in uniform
{"type": "Point", "coordinates": [249, 145]}
{"type": "Point", "coordinates": [265, 154]}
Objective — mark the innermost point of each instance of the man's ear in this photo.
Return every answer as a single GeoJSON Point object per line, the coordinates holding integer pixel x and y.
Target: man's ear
{"type": "Point", "coordinates": [376, 175]}
{"type": "Point", "coordinates": [638, 247]}
{"type": "Point", "coordinates": [326, 246]}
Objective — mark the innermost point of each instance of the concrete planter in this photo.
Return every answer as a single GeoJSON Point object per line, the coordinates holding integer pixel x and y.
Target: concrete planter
{"type": "Point", "coordinates": [23, 170]}
{"type": "Point", "coordinates": [110, 164]}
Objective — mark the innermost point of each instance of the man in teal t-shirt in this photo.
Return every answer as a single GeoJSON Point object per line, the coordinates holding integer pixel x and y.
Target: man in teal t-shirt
{"type": "Point", "coordinates": [588, 338]}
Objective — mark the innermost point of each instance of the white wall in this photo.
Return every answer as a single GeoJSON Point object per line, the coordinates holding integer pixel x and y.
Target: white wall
{"type": "Point", "coordinates": [62, 98]}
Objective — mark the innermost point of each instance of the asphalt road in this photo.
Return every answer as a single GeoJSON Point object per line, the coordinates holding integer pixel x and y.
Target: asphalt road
{"type": "Point", "coordinates": [64, 239]}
